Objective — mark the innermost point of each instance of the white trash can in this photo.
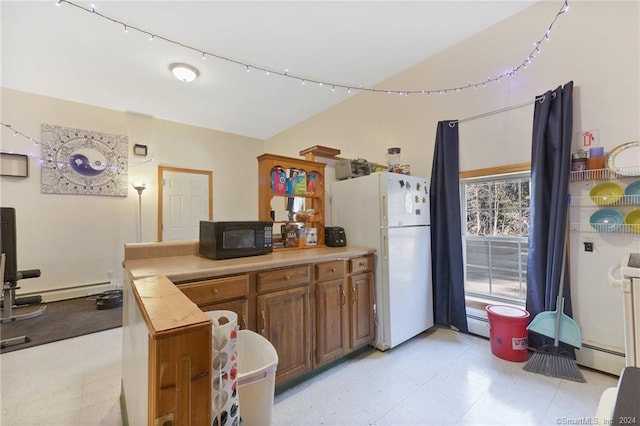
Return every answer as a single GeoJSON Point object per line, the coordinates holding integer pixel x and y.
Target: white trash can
{"type": "Point", "coordinates": [258, 360]}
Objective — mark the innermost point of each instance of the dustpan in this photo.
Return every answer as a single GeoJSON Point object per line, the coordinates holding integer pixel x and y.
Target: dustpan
{"type": "Point", "coordinates": [545, 323]}
{"type": "Point", "coordinates": [551, 360]}
{"type": "Point", "coordinates": [556, 324]}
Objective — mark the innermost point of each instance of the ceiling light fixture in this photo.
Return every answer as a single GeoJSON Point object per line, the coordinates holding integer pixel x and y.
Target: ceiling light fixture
{"type": "Point", "coordinates": [184, 72]}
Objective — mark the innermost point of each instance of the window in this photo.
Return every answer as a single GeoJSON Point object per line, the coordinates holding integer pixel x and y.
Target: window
{"type": "Point", "coordinates": [495, 245]}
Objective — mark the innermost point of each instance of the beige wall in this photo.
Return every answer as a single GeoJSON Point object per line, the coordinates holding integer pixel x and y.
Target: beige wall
{"type": "Point", "coordinates": [596, 44]}
{"type": "Point", "coordinates": [77, 240]}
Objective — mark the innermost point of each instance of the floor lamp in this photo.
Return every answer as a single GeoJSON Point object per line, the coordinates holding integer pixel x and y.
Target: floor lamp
{"type": "Point", "coordinates": [139, 186]}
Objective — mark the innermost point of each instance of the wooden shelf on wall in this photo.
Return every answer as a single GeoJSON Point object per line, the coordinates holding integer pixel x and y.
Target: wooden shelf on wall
{"type": "Point", "coordinates": [313, 201]}
{"type": "Point", "coordinates": [319, 151]}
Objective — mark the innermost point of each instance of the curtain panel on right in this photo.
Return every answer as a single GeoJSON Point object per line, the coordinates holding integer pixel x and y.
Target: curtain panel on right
{"type": "Point", "coordinates": [550, 168]}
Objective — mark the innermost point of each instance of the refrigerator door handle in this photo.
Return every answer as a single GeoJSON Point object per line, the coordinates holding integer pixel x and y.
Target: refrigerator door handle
{"type": "Point", "coordinates": [385, 248]}
{"type": "Point", "coordinates": [384, 208]}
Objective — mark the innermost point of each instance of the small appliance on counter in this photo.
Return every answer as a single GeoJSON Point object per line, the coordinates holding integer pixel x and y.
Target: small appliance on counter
{"type": "Point", "coordinates": [393, 160]}
{"type": "Point", "coordinates": [346, 169]}
{"type": "Point", "coordinates": [334, 236]}
{"type": "Point", "coordinates": [226, 240]}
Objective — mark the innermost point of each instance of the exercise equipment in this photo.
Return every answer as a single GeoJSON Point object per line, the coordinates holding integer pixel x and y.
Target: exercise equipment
{"type": "Point", "coordinates": [11, 276]}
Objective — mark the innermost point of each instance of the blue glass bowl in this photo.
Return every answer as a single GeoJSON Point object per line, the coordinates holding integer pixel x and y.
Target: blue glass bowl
{"type": "Point", "coordinates": [632, 193]}
{"type": "Point", "coordinates": [606, 220]}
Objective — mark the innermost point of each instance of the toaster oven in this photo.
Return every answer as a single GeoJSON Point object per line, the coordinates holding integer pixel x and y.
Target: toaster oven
{"type": "Point", "coordinates": [346, 169]}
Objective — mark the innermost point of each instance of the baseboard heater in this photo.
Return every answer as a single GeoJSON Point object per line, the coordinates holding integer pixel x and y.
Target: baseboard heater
{"type": "Point", "coordinates": [601, 359]}
{"type": "Point", "coordinates": [478, 325]}
{"type": "Point", "coordinates": [70, 292]}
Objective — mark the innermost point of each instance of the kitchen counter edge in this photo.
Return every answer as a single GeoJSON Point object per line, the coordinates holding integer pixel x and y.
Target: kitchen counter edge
{"type": "Point", "coordinates": [188, 267]}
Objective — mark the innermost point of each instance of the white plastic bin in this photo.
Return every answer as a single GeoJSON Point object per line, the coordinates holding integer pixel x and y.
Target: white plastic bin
{"type": "Point", "coordinates": [258, 360]}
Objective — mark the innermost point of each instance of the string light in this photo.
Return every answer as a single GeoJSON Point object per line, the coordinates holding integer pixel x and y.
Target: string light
{"type": "Point", "coordinates": [347, 88]}
{"type": "Point", "coordinates": [48, 146]}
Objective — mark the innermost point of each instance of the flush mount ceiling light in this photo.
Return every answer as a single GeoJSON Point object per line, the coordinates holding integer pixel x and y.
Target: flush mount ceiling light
{"type": "Point", "coordinates": [184, 72]}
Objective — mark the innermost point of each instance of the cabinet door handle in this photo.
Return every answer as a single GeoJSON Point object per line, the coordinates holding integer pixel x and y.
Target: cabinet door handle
{"type": "Point", "coordinates": [355, 294]}
{"type": "Point", "coordinates": [344, 298]}
{"type": "Point", "coordinates": [264, 322]}
{"type": "Point", "coordinates": [287, 277]}
{"type": "Point", "coordinates": [244, 322]}
{"type": "Point", "coordinates": [216, 291]}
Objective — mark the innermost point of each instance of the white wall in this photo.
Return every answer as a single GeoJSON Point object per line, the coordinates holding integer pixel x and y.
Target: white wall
{"type": "Point", "coordinates": [596, 44]}
{"type": "Point", "coordinates": [78, 240]}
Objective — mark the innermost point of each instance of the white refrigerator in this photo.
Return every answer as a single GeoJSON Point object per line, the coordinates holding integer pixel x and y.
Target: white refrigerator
{"type": "Point", "coordinates": [390, 212]}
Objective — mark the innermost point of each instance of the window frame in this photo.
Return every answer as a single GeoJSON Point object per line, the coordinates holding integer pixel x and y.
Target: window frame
{"type": "Point", "coordinates": [515, 171]}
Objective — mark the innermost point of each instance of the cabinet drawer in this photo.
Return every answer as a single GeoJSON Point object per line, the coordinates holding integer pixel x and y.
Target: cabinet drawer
{"type": "Point", "coordinates": [216, 290]}
{"type": "Point", "coordinates": [330, 270]}
{"type": "Point", "coordinates": [282, 278]}
{"type": "Point", "coordinates": [361, 264]}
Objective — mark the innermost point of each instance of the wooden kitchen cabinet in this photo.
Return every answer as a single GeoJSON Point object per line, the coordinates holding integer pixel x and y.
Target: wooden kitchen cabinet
{"type": "Point", "coordinates": [332, 311]}
{"type": "Point", "coordinates": [272, 201]}
{"type": "Point", "coordinates": [166, 356]}
{"type": "Point", "coordinates": [311, 305]}
{"type": "Point", "coordinates": [361, 309]}
{"type": "Point", "coordinates": [284, 318]}
{"type": "Point", "coordinates": [344, 307]}
{"type": "Point", "coordinates": [226, 294]}
{"type": "Point", "coordinates": [361, 286]}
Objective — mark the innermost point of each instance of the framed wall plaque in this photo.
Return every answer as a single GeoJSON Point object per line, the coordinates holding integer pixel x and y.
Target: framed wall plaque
{"type": "Point", "coordinates": [83, 162]}
{"type": "Point", "coordinates": [14, 164]}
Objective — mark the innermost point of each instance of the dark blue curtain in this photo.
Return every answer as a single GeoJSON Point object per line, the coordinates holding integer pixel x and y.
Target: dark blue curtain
{"type": "Point", "coordinates": [446, 235]}
{"type": "Point", "coordinates": [550, 167]}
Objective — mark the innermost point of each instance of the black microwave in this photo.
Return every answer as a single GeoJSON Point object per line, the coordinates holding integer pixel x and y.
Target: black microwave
{"type": "Point", "coordinates": [226, 240]}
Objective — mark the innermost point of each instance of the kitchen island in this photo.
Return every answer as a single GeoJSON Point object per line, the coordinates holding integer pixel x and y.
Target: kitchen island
{"type": "Point", "coordinates": [314, 305]}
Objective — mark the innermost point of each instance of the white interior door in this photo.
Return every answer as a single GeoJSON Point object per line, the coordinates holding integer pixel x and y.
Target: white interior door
{"type": "Point", "coordinates": [185, 202]}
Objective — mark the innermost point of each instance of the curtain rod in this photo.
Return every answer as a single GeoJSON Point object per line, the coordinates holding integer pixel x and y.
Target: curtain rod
{"type": "Point", "coordinates": [499, 111]}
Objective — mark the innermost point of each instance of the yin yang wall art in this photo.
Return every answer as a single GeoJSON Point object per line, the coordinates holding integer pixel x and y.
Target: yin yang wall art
{"type": "Point", "coordinates": [76, 161]}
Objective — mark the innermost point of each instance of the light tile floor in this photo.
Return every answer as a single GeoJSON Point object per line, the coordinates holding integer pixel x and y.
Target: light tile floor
{"type": "Point", "coordinates": [438, 378]}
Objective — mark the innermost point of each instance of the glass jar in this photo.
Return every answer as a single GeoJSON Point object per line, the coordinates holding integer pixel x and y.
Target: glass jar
{"type": "Point", "coordinates": [393, 159]}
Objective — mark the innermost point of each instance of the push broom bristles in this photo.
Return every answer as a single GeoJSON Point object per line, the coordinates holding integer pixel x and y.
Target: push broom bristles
{"type": "Point", "coordinates": [550, 361]}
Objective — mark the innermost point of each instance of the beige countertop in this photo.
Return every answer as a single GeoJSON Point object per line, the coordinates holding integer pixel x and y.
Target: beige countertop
{"type": "Point", "coordinates": [174, 261]}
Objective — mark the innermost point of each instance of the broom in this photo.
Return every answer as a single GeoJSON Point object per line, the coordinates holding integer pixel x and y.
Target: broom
{"type": "Point", "coordinates": [550, 360]}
